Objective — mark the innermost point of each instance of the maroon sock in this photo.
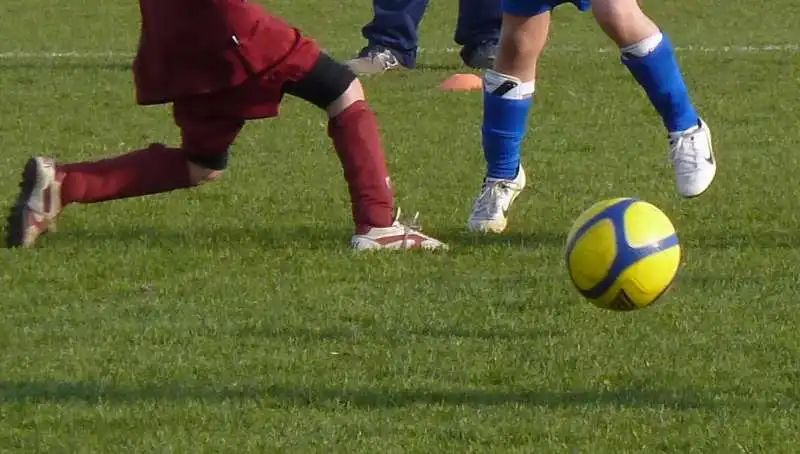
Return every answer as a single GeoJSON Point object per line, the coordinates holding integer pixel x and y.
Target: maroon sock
{"type": "Point", "coordinates": [357, 141]}
{"type": "Point", "coordinates": [148, 171]}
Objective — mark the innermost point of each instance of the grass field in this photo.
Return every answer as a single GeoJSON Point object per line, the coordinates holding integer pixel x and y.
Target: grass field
{"type": "Point", "coordinates": [233, 318]}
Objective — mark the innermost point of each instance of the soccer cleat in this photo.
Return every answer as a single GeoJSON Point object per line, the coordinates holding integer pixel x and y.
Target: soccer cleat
{"type": "Point", "coordinates": [374, 61]}
{"type": "Point", "coordinates": [490, 210]}
{"type": "Point", "coordinates": [37, 206]}
{"type": "Point", "coordinates": [693, 159]}
{"type": "Point", "coordinates": [397, 236]}
{"type": "Point", "coordinates": [481, 55]}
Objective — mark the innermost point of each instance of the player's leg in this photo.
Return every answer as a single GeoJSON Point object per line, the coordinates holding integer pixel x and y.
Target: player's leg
{"type": "Point", "coordinates": [48, 187]}
{"type": "Point", "coordinates": [353, 128]}
{"type": "Point", "coordinates": [478, 31]}
{"type": "Point", "coordinates": [392, 36]}
{"type": "Point", "coordinates": [650, 57]}
{"type": "Point", "coordinates": [507, 99]}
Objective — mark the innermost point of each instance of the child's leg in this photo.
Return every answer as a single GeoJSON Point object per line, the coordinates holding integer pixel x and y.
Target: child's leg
{"type": "Point", "coordinates": [650, 57]}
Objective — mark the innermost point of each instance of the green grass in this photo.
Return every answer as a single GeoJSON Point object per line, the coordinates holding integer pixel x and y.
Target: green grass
{"type": "Point", "coordinates": [233, 318]}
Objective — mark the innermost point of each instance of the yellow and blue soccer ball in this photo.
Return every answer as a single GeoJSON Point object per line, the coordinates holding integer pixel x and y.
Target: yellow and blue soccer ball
{"type": "Point", "coordinates": [623, 254]}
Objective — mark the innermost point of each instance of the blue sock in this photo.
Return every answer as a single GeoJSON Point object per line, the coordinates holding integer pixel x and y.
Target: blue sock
{"type": "Point", "coordinates": [506, 103]}
{"type": "Point", "coordinates": [660, 76]}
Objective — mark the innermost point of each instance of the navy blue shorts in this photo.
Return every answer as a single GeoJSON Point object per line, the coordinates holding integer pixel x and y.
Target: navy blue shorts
{"type": "Point", "coordinates": [530, 8]}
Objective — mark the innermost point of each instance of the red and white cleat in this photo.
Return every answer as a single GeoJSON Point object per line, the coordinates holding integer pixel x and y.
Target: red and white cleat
{"type": "Point", "coordinates": [397, 236]}
{"type": "Point", "coordinates": [37, 206]}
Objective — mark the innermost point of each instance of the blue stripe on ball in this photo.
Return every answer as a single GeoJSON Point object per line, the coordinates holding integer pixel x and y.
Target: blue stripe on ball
{"type": "Point", "coordinates": [612, 212]}
{"type": "Point", "coordinates": [626, 258]}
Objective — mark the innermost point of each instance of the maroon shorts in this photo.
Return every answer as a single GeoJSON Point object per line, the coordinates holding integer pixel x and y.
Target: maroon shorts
{"type": "Point", "coordinates": [209, 123]}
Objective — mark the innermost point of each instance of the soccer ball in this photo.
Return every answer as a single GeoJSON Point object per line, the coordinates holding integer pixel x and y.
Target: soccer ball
{"type": "Point", "coordinates": [622, 254]}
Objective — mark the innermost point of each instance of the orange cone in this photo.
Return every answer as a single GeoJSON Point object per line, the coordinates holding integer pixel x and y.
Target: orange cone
{"type": "Point", "coordinates": [462, 82]}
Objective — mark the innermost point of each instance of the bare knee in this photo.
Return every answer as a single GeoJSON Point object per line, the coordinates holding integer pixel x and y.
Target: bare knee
{"type": "Point", "coordinates": [522, 40]}
{"type": "Point", "coordinates": [353, 94]}
{"type": "Point", "coordinates": [623, 21]}
{"type": "Point", "coordinates": [199, 174]}
{"type": "Point", "coordinates": [329, 85]}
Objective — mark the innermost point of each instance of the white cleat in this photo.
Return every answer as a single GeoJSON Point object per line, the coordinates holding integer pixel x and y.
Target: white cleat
{"type": "Point", "coordinates": [396, 236]}
{"type": "Point", "coordinates": [490, 209]}
{"type": "Point", "coordinates": [37, 206]}
{"type": "Point", "coordinates": [693, 159]}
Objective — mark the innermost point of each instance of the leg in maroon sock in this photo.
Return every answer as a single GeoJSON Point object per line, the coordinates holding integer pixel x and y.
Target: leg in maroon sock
{"type": "Point", "coordinates": [357, 141]}
{"type": "Point", "coordinates": [155, 169]}
{"type": "Point", "coordinates": [147, 171]}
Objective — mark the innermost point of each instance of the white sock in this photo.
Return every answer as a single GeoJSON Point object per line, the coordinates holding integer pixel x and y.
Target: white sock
{"type": "Point", "coordinates": [644, 47]}
{"type": "Point", "coordinates": [492, 80]}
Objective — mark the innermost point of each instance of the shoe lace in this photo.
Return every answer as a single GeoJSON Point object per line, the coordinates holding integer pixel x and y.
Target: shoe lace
{"type": "Point", "coordinates": [384, 57]}
{"type": "Point", "coordinates": [409, 227]}
{"type": "Point", "coordinates": [487, 201]}
{"type": "Point", "coordinates": [684, 150]}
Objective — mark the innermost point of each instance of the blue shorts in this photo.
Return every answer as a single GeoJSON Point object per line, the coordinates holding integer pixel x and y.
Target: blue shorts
{"type": "Point", "coordinates": [530, 8]}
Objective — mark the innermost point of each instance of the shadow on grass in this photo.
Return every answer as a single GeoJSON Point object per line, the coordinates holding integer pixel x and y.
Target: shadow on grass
{"type": "Point", "coordinates": [705, 240]}
{"type": "Point", "coordinates": [299, 237]}
{"type": "Point", "coordinates": [527, 240]}
{"type": "Point", "coordinates": [734, 240]}
{"type": "Point", "coordinates": [368, 398]}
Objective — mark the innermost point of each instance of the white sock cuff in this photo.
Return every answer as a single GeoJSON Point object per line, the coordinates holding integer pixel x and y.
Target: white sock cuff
{"type": "Point", "coordinates": [507, 87]}
{"type": "Point", "coordinates": [644, 47]}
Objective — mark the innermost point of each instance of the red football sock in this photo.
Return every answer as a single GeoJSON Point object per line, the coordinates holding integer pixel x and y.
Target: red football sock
{"type": "Point", "coordinates": [357, 141]}
{"type": "Point", "coordinates": [148, 171]}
